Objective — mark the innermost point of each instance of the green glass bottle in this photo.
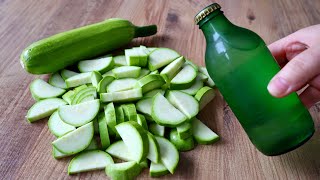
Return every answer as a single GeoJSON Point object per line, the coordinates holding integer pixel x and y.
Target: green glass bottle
{"type": "Point", "coordinates": [241, 65]}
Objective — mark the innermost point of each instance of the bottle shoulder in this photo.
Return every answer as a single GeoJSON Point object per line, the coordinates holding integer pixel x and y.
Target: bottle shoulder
{"type": "Point", "coordinates": [235, 37]}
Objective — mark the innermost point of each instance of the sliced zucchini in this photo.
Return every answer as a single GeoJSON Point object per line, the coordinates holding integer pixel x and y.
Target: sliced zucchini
{"type": "Point", "coordinates": [75, 141]}
{"type": "Point", "coordinates": [110, 115]}
{"type": "Point", "coordinates": [132, 57]}
{"type": "Point", "coordinates": [65, 74]}
{"type": "Point", "coordinates": [68, 96]}
{"type": "Point", "coordinates": [109, 73]}
{"type": "Point", "coordinates": [119, 150]}
{"type": "Point", "coordinates": [93, 145]}
{"type": "Point", "coordinates": [57, 154]}
{"type": "Point", "coordinates": [42, 90]}
{"type": "Point", "coordinates": [181, 144]}
{"type": "Point", "coordinates": [122, 96]}
{"type": "Point", "coordinates": [143, 73]}
{"type": "Point", "coordinates": [154, 149]}
{"type": "Point", "coordinates": [86, 98]}
{"type": "Point", "coordinates": [202, 134]}
{"type": "Point", "coordinates": [143, 56]}
{"type": "Point", "coordinates": [154, 92]}
{"type": "Point", "coordinates": [121, 85]}
{"type": "Point", "coordinates": [169, 154]}
{"type": "Point", "coordinates": [44, 108]}
{"type": "Point", "coordinates": [192, 64]}
{"type": "Point", "coordinates": [79, 79]}
{"type": "Point", "coordinates": [123, 171]}
{"type": "Point", "coordinates": [158, 169]}
{"type": "Point", "coordinates": [80, 94]}
{"type": "Point", "coordinates": [102, 85]}
{"type": "Point", "coordinates": [141, 120]}
{"type": "Point", "coordinates": [166, 114]}
{"type": "Point", "coordinates": [135, 138]}
{"type": "Point", "coordinates": [120, 60]}
{"type": "Point", "coordinates": [204, 96]}
{"type": "Point", "coordinates": [145, 106]}
{"type": "Point", "coordinates": [184, 79]}
{"type": "Point", "coordinates": [102, 65]}
{"type": "Point", "coordinates": [126, 72]}
{"type": "Point", "coordinates": [161, 57]}
{"type": "Point", "coordinates": [103, 131]}
{"type": "Point", "coordinates": [187, 104]}
{"type": "Point", "coordinates": [79, 114]}
{"type": "Point", "coordinates": [119, 114]}
{"type": "Point", "coordinates": [203, 77]}
{"type": "Point", "coordinates": [89, 160]}
{"type": "Point", "coordinates": [172, 69]}
{"type": "Point", "coordinates": [130, 112]}
{"type": "Point", "coordinates": [155, 72]}
{"type": "Point", "coordinates": [57, 127]}
{"type": "Point", "coordinates": [150, 82]}
{"type": "Point", "coordinates": [57, 81]}
{"type": "Point", "coordinates": [95, 78]}
{"type": "Point", "coordinates": [156, 129]}
{"type": "Point", "coordinates": [209, 81]}
{"type": "Point", "coordinates": [151, 49]}
{"type": "Point", "coordinates": [197, 85]}
{"type": "Point", "coordinates": [184, 130]}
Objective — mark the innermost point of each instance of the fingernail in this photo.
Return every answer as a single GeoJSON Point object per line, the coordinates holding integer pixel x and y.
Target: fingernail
{"type": "Point", "coordinates": [278, 87]}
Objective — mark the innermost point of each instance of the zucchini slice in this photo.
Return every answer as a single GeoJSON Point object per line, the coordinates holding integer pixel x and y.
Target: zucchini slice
{"type": "Point", "coordinates": [161, 57]}
{"type": "Point", "coordinates": [102, 65]}
{"type": "Point", "coordinates": [42, 90]}
{"type": "Point", "coordinates": [150, 82]}
{"type": "Point", "coordinates": [95, 78]}
{"type": "Point", "coordinates": [126, 72]}
{"type": "Point", "coordinates": [89, 160]}
{"type": "Point", "coordinates": [44, 108]}
{"type": "Point", "coordinates": [57, 81]}
{"type": "Point", "coordinates": [154, 149]}
{"type": "Point", "coordinates": [122, 96]}
{"type": "Point", "coordinates": [204, 96]}
{"type": "Point", "coordinates": [123, 171]}
{"type": "Point", "coordinates": [184, 130]}
{"type": "Point", "coordinates": [135, 138]}
{"type": "Point", "coordinates": [65, 74]}
{"type": "Point", "coordinates": [166, 114]}
{"type": "Point", "coordinates": [202, 134]}
{"type": "Point", "coordinates": [103, 131]}
{"type": "Point", "coordinates": [156, 129]}
{"type": "Point", "coordinates": [119, 150]}
{"type": "Point", "coordinates": [79, 79]}
{"type": "Point", "coordinates": [79, 114]}
{"type": "Point", "coordinates": [75, 141]}
{"type": "Point", "coordinates": [121, 85]}
{"type": "Point", "coordinates": [181, 144]}
{"type": "Point", "coordinates": [169, 154]}
{"type": "Point", "coordinates": [145, 106]}
{"type": "Point", "coordinates": [158, 169]}
{"type": "Point", "coordinates": [57, 127]}
{"type": "Point", "coordinates": [184, 79]}
{"type": "Point", "coordinates": [187, 104]}
{"type": "Point", "coordinates": [154, 92]}
{"type": "Point", "coordinates": [209, 81]}
{"type": "Point", "coordinates": [196, 86]}
{"type": "Point", "coordinates": [120, 60]}
{"type": "Point", "coordinates": [102, 85]}
{"type": "Point", "coordinates": [172, 69]}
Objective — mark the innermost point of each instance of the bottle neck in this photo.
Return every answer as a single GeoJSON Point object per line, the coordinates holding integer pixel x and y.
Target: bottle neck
{"type": "Point", "coordinates": [215, 23]}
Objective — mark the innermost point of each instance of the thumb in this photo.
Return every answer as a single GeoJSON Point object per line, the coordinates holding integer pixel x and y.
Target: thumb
{"type": "Point", "coordinates": [296, 73]}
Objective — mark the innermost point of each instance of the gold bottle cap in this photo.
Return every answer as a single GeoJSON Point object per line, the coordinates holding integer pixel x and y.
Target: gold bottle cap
{"type": "Point", "coordinates": [206, 11]}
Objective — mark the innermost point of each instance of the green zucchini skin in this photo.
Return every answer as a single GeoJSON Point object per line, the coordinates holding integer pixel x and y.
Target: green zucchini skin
{"type": "Point", "coordinates": [61, 50]}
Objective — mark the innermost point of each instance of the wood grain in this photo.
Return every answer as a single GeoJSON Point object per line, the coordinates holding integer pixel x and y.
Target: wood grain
{"type": "Point", "coordinates": [26, 148]}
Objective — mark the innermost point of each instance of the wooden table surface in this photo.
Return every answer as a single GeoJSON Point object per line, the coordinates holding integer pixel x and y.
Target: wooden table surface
{"type": "Point", "coordinates": [26, 148]}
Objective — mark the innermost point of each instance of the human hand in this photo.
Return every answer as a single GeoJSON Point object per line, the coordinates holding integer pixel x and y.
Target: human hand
{"type": "Point", "coordinates": [299, 56]}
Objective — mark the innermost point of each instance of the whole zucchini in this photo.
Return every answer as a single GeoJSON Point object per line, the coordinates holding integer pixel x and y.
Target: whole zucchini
{"type": "Point", "coordinates": [61, 50]}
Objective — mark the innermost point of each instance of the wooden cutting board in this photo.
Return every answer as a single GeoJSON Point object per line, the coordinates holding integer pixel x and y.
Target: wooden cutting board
{"type": "Point", "coordinates": [26, 148]}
